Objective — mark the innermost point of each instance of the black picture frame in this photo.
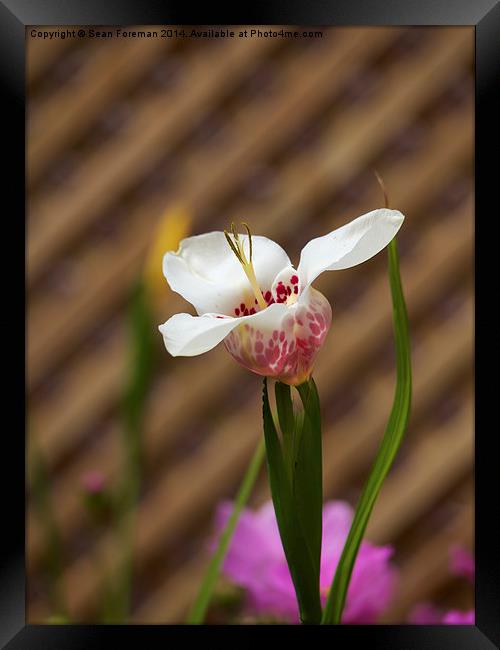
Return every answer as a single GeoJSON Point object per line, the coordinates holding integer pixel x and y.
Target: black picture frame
{"type": "Point", "coordinates": [15, 15]}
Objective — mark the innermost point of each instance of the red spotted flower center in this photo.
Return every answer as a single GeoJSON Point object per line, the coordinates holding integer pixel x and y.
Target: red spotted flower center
{"type": "Point", "coordinates": [286, 286]}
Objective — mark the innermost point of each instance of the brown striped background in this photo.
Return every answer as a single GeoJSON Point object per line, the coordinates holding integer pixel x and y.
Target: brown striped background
{"type": "Point", "coordinates": [283, 134]}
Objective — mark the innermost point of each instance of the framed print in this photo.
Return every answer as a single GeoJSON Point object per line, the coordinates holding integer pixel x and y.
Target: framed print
{"type": "Point", "coordinates": [255, 255]}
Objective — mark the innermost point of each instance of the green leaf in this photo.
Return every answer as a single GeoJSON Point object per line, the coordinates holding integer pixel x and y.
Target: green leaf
{"type": "Point", "coordinates": [286, 419]}
{"type": "Point", "coordinates": [199, 608]}
{"type": "Point", "coordinates": [39, 481]}
{"type": "Point", "coordinates": [308, 474]}
{"type": "Point", "coordinates": [139, 377]}
{"type": "Point", "coordinates": [300, 562]}
{"type": "Point", "coordinates": [284, 407]}
{"type": "Point", "coordinates": [396, 427]}
{"type": "Point", "coordinates": [141, 363]}
{"type": "Point", "coordinates": [140, 374]}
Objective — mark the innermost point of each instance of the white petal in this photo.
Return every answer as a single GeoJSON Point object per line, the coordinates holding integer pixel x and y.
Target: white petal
{"type": "Point", "coordinates": [349, 245]}
{"type": "Point", "coordinates": [187, 336]}
{"type": "Point", "coordinates": [206, 272]}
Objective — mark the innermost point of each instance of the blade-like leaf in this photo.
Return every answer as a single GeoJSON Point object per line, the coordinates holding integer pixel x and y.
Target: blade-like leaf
{"type": "Point", "coordinates": [388, 449]}
{"type": "Point", "coordinates": [302, 570]}
{"type": "Point", "coordinates": [286, 420]}
{"type": "Point", "coordinates": [141, 362]}
{"type": "Point", "coordinates": [140, 375]}
{"type": "Point", "coordinates": [39, 484]}
{"type": "Point", "coordinates": [308, 473]}
{"type": "Point", "coordinates": [199, 608]}
{"type": "Point", "coordinates": [284, 406]}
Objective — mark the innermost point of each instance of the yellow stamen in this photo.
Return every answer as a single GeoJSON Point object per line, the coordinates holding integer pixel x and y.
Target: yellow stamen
{"type": "Point", "coordinates": [237, 247]}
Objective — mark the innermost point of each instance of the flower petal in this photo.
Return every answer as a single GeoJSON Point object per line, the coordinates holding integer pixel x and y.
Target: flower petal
{"type": "Point", "coordinates": [456, 617]}
{"type": "Point", "coordinates": [283, 340]}
{"type": "Point", "coordinates": [249, 542]}
{"type": "Point", "coordinates": [349, 245]}
{"type": "Point", "coordinates": [188, 336]}
{"type": "Point", "coordinates": [372, 585]}
{"type": "Point", "coordinates": [205, 271]}
{"type": "Point", "coordinates": [337, 519]}
{"type": "Point", "coordinates": [425, 614]}
{"type": "Point", "coordinates": [256, 562]}
{"type": "Point", "coordinates": [462, 562]}
{"type": "Point", "coordinates": [286, 286]}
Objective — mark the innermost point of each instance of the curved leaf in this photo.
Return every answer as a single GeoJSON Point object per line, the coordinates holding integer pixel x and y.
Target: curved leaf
{"type": "Point", "coordinates": [396, 427]}
{"type": "Point", "coordinates": [199, 608]}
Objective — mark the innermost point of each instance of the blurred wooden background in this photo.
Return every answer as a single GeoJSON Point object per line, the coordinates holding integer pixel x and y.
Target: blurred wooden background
{"type": "Point", "coordinates": [283, 134]}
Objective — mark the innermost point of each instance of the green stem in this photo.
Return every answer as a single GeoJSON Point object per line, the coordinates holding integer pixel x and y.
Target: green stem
{"type": "Point", "coordinates": [199, 608]}
{"type": "Point", "coordinates": [396, 427]}
{"type": "Point", "coordinates": [133, 407]}
{"type": "Point", "coordinates": [125, 535]}
{"type": "Point", "coordinates": [42, 503]}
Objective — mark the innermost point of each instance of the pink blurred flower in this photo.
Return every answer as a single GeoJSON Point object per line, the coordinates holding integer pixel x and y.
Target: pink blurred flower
{"type": "Point", "coordinates": [256, 562]}
{"type": "Point", "coordinates": [462, 562]}
{"type": "Point", "coordinates": [93, 482]}
{"type": "Point", "coordinates": [427, 614]}
{"type": "Point", "coordinates": [455, 617]}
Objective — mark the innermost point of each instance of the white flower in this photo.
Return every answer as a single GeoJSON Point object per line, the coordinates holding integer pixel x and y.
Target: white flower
{"type": "Point", "coordinates": [247, 293]}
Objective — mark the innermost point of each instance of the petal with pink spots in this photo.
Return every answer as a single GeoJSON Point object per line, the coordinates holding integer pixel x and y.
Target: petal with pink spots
{"type": "Point", "coordinates": [285, 348]}
{"type": "Point", "coordinates": [286, 286]}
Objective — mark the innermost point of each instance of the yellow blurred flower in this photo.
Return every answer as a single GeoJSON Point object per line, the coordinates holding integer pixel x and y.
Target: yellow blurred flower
{"type": "Point", "coordinates": [173, 226]}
